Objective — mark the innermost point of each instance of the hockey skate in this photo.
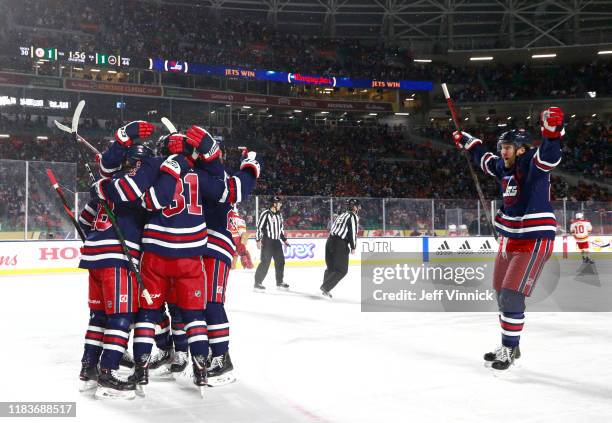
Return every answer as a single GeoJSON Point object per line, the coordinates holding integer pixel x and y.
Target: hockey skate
{"type": "Point", "coordinates": [491, 357]}
{"type": "Point", "coordinates": [112, 385]}
{"type": "Point", "coordinates": [258, 287]}
{"type": "Point", "coordinates": [325, 294]}
{"type": "Point", "coordinates": [220, 370]}
{"type": "Point", "coordinates": [159, 365]}
{"type": "Point", "coordinates": [282, 286]}
{"type": "Point", "coordinates": [505, 359]}
{"type": "Point", "coordinates": [127, 360]}
{"type": "Point", "coordinates": [179, 362]}
{"type": "Point", "coordinates": [141, 374]}
{"type": "Point", "coordinates": [199, 372]}
{"type": "Point", "coordinates": [88, 376]}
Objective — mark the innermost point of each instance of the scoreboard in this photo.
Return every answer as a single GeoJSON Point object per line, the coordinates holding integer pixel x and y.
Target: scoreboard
{"type": "Point", "coordinates": [75, 56]}
{"type": "Point", "coordinates": [178, 66]}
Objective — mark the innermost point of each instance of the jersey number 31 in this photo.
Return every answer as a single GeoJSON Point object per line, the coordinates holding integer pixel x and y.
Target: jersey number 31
{"type": "Point", "coordinates": [178, 202]}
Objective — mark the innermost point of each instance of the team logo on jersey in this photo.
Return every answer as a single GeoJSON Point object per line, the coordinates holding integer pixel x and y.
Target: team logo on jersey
{"type": "Point", "coordinates": [219, 290]}
{"type": "Point", "coordinates": [510, 190]}
{"type": "Point", "coordinates": [123, 298]}
{"type": "Point", "coordinates": [197, 293]}
{"type": "Point", "coordinates": [109, 304]}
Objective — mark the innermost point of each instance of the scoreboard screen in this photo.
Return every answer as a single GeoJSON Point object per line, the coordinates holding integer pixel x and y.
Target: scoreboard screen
{"type": "Point", "coordinates": [75, 56]}
{"type": "Point", "coordinates": [179, 66]}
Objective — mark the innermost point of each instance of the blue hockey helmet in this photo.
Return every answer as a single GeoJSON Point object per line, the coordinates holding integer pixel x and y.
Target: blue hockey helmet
{"type": "Point", "coordinates": [518, 137]}
{"type": "Point", "coordinates": [137, 152]}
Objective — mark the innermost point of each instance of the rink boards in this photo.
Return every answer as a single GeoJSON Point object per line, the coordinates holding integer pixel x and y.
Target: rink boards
{"type": "Point", "coordinates": [32, 257]}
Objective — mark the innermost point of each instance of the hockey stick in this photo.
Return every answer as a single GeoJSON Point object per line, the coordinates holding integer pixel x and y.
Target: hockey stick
{"type": "Point", "coordinates": [62, 197]}
{"type": "Point", "coordinates": [169, 125]}
{"type": "Point", "coordinates": [82, 140]}
{"type": "Point", "coordinates": [599, 245]}
{"type": "Point", "coordinates": [481, 196]}
{"type": "Point", "coordinates": [107, 209]}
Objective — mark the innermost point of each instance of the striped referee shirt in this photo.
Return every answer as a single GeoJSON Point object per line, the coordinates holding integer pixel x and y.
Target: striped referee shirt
{"type": "Point", "coordinates": [345, 227]}
{"type": "Point", "coordinates": [270, 225]}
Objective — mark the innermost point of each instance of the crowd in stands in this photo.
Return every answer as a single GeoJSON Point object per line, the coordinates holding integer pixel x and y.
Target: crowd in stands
{"type": "Point", "coordinates": [524, 82]}
{"type": "Point", "coordinates": [309, 160]}
{"type": "Point", "coordinates": [316, 161]}
{"type": "Point", "coordinates": [587, 145]}
{"type": "Point", "coordinates": [192, 33]}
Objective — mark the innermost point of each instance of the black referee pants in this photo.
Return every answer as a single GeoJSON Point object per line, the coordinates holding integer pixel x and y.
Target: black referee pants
{"type": "Point", "coordinates": [271, 249]}
{"type": "Point", "coordinates": [337, 261]}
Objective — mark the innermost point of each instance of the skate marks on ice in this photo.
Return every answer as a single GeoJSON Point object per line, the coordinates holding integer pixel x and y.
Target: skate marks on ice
{"type": "Point", "coordinates": [180, 401]}
{"type": "Point", "coordinates": [429, 366]}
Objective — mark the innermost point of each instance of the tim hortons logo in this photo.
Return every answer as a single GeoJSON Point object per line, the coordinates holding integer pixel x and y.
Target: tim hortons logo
{"type": "Point", "coordinates": [55, 253]}
{"type": "Point", "coordinates": [8, 260]}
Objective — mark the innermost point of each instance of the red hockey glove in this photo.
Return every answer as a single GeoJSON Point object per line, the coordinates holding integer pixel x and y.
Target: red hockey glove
{"type": "Point", "coordinates": [178, 144]}
{"type": "Point", "coordinates": [133, 131]}
{"type": "Point", "coordinates": [203, 142]}
{"type": "Point", "coordinates": [551, 120]}
{"type": "Point", "coordinates": [465, 140]}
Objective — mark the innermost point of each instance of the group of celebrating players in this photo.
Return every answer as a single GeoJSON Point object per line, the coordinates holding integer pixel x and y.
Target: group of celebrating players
{"type": "Point", "coordinates": [174, 207]}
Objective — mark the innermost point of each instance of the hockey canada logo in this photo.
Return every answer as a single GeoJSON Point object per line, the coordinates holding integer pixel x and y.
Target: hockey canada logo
{"type": "Point", "coordinates": [443, 249]}
{"type": "Point", "coordinates": [465, 248]}
{"type": "Point", "coordinates": [486, 248]}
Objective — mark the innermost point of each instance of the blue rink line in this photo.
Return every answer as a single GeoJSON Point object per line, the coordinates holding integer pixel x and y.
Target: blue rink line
{"type": "Point", "coordinates": [425, 249]}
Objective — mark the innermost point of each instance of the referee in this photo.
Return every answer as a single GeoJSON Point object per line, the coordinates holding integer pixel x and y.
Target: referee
{"type": "Point", "coordinates": [342, 238]}
{"type": "Point", "coordinates": [269, 235]}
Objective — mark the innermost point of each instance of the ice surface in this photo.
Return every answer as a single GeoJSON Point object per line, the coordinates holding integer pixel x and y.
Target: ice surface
{"type": "Point", "coordinates": [300, 358]}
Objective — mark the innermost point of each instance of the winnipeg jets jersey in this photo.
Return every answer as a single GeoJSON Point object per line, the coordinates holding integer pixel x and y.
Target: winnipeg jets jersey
{"type": "Point", "coordinates": [526, 211]}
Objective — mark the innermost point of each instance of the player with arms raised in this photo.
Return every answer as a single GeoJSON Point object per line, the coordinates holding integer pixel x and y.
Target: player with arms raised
{"type": "Point", "coordinates": [525, 221]}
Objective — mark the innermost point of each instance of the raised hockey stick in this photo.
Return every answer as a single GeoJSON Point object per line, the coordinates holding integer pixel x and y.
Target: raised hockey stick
{"type": "Point", "coordinates": [62, 197]}
{"type": "Point", "coordinates": [107, 209]}
{"type": "Point", "coordinates": [169, 125]}
{"type": "Point", "coordinates": [451, 106]}
{"type": "Point", "coordinates": [82, 140]}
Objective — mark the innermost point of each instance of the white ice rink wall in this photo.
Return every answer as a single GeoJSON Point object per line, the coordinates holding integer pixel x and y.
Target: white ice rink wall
{"type": "Point", "coordinates": [32, 257]}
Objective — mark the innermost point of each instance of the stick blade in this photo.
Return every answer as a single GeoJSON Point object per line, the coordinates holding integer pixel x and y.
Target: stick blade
{"type": "Point", "coordinates": [62, 127]}
{"type": "Point", "coordinates": [77, 115]}
{"type": "Point", "coordinates": [169, 125]}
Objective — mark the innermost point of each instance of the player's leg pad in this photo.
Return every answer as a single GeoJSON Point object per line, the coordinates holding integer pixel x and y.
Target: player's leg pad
{"type": "Point", "coordinates": [197, 332]}
{"type": "Point", "coordinates": [116, 337]}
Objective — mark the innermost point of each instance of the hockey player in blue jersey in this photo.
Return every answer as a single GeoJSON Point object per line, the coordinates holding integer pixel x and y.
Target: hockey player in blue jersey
{"type": "Point", "coordinates": [525, 221]}
{"type": "Point", "coordinates": [133, 187]}
{"type": "Point", "coordinates": [113, 291]}
{"type": "Point", "coordinates": [217, 262]}
{"type": "Point", "coordinates": [174, 240]}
